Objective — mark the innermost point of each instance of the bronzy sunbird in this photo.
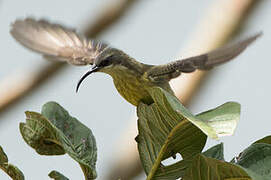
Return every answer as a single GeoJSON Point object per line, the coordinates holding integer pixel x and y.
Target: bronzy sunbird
{"type": "Point", "coordinates": [131, 78]}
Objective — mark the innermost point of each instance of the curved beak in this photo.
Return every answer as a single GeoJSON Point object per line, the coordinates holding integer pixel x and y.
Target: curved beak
{"type": "Point", "coordinates": [93, 69]}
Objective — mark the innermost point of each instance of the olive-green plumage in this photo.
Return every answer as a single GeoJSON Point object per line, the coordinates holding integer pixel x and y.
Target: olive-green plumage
{"type": "Point", "coordinates": [131, 78]}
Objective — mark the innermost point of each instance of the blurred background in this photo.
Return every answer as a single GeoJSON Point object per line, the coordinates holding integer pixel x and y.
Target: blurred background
{"type": "Point", "coordinates": [153, 32]}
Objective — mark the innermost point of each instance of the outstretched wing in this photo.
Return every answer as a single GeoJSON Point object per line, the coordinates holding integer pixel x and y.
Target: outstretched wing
{"type": "Point", "coordinates": [202, 62]}
{"type": "Point", "coordinates": [56, 41]}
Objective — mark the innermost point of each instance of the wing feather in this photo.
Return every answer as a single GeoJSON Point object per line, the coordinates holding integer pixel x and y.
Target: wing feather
{"type": "Point", "coordinates": [228, 52]}
{"type": "Point", "coordinates": [202, 62]}
{"type": "Point", "coordinates": [56, 41]}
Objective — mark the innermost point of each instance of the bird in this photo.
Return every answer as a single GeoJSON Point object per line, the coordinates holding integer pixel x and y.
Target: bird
{"type": "Point", "coordinates": [132, 79]}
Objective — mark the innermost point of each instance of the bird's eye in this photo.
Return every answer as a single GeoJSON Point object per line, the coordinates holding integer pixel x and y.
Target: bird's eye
{"type": "Point", "coordinates": [106, 62]}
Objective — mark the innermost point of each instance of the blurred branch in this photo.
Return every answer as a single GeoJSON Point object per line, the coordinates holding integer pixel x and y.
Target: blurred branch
{"type": "Point", "coordinates": [21, 84]}
{"type": "Point", "coordinates": [111, 14]}
{"type": "Point", "coordinates": [223, 22]}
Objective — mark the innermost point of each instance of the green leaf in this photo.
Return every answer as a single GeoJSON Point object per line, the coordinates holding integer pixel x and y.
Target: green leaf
{"type": "Point", "coordinates": [169, 105]}
{"type": "Point", "coordinates": [223, 119]}
{"type": "Point", "coordinates": [41, 135]}
{"type": "Point", "coordinates": [166, 127]}
{"type": "Point", "coordinates": [3, 156]}
{"type": "Point", "coordinates": [177, 170]}
{"type": "Point", "coordinates": [173, 171]}
{"type": "Point", "coordinates": [204, 168]}
{"type": "Point", "coordinates": [159, 140]}
{"type": "Point", "coordinates": [216, 152]}
{"type": "Point", "coordinates": [215, 123]}
{"type": "Point", "coordinates": [10, 169]}
{"type": "Point", "coordinates": [257, 159]}
{"type": "Point", "coordinates": [55, 132]}
{"type": "Point", "coordinates": [266, 140]}
{"type": "Point", "coordinates": [57, 176]}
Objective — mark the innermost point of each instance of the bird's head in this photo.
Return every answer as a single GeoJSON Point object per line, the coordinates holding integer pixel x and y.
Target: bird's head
{"type": "Point", "coordinates": [64, 44]}
{"type": "Point", "coordinates": [108, 61]}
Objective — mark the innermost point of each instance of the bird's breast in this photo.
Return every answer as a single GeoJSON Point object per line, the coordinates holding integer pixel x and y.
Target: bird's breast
{"type": "Point", "coordinates": [132, 87]}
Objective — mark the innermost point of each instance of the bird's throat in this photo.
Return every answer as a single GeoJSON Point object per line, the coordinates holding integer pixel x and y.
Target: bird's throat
{"type": "Point", "coordinates": [130, 85]}
{"type": "Point", "coordinates": [133, 89]}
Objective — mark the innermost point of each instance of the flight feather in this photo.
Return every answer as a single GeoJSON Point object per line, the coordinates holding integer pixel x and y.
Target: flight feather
{"type": "Point", "coordinates": [56, 41]}
{"type": "Point", "coordinates": [202, 62]}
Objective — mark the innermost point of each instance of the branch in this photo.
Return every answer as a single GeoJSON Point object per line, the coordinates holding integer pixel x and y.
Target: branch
{"type": "Point", "coordinates": [110, 15]}
{"type": "Point", "coordinates": [21, 84]}
{"type": "Point", "coordinates": [224, 21]}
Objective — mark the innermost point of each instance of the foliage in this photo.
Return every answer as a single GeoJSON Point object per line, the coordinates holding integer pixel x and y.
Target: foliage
{"type": "Point", "coordinates": [166, 128]}
{"type": "Point", "coordinates": [57, 176]}
{"type": "Point", "coordinates": [10, 169]}
{"type": "Point", "coordinates": [55, 132]}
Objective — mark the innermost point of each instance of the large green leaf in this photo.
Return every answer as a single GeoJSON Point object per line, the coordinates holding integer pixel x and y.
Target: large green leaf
{"type": "Point", "coordinates": [166, 127]}
{"type": "Point", "coordinates": [10, 169]}
{"type": "Point", "coordinates": [223, 119]}
{"type": "Point", "coordinates": [204, 168]}
{"type": "Point", "coordinates": [256, 160]}
{"type": "Point", "coordinates": [157, 137]}
{"type": "Point", "coordinates": [173, 110]}
{"type": "Point", "coordinates": [215, 123]}
{"type": "Point", "coordinates": [55, 132]}
{"type": "Point", "coordinates": [57, 176]}
{"type": "Point", "coordinates": [216, 152]}
{"type": "Point", "coordinates": [172, 172]}
{"type": "Point", "coordinates": [178, 169]}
